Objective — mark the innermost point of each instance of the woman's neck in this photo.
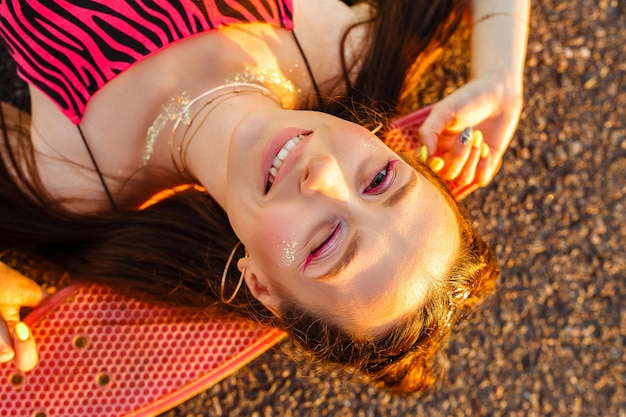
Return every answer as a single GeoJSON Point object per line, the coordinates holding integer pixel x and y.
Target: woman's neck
{"type": "Point", "coordinates": [202, 147]}
{"type": "Point", "coordinates": [118, 116]}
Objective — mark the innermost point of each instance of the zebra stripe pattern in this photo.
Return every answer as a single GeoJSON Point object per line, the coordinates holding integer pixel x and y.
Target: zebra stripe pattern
{"type": "Point", "coordinates": [70, 48]}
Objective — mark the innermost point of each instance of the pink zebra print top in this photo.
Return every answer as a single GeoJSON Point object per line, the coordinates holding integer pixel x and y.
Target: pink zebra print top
{"type": "Point", "coordinates": [69, 49]}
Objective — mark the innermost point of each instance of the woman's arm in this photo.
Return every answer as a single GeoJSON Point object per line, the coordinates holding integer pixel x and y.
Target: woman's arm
{"type": "Point", "coordinates": [498, 42]}
{"type": "Point", "coordinates": [491, 101]}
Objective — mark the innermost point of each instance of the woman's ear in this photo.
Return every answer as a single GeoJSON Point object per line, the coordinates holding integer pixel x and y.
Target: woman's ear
{"type": "Point", "coordinates": [259, 287]}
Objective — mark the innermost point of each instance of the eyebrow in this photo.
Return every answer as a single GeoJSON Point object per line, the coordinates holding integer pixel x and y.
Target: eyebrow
{"type": "Point", "coordinates": [346, 259]}
{"type": "Point", "coordinates": [402, 192]}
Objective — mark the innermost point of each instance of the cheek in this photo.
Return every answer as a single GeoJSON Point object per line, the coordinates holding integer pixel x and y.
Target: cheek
{"type": "Point", "coordinates": [276, 241]}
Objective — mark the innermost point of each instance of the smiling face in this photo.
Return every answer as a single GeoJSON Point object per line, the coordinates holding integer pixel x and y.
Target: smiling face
{"type": "Point", "coordinates": [341, 225]}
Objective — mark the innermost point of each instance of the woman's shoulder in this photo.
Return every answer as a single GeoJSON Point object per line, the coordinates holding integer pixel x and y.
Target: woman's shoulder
{"type": "Point", "coordinates": [321, 27]}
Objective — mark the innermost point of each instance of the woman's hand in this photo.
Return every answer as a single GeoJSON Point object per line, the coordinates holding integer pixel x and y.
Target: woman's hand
{"type": "Point", "coordinates": [488, 105]}
{"type": "Point", "coordinates": [16, 340]}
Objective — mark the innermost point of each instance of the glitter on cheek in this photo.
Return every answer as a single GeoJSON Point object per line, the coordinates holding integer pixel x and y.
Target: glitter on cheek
{"type": "Point", "coordinates": [289, 252]}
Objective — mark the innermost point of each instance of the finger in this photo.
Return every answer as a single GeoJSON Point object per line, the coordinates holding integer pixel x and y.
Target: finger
{"type": "Point", "coordinates": [468, 172]}
{"type": "Point", "coordinates": [422, 153]}
{"type": "Point", "coordinates": [483, 173]}
{"type": "Point", "coordinates": [488, 166]}
{"type": "Point", "coordinates": [26, 355]}
{"type": "Point", "coordinates": [6, 343]}
{"type": "Point", "coordinates": [440, 118]}
{"type": "Point", "coordinates": [436, 164]}
{"type": "Point", "coordinates": [24, 292]}
{"type": "Point", "coordinates": [457, 158]}
{"type": "Point", "coordinates": [9, 317]}
{"type": "Point", "coordinates": [462, 192]}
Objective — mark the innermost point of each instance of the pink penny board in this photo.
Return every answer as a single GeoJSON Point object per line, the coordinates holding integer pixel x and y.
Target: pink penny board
{"type": "Point", "coordinates": [106, 355]}
{"type": "Point", "coordinates": [103, 354]}
{"type": "Point", "coordinates": [403, 135]}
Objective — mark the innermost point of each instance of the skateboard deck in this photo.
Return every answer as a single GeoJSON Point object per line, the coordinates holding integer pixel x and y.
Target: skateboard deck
{"type": "Point", "coordinates": [104, 354]}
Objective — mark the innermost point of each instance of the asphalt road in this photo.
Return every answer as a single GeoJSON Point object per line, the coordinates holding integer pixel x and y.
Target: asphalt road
{"type": "Point", "coordinates": [550, 342]}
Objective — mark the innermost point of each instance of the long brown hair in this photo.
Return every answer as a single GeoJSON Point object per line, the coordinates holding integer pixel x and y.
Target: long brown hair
{"type": "Point", "coordinates": [175, 250]}
{"type": "Point", "coordinates": [402, 35]}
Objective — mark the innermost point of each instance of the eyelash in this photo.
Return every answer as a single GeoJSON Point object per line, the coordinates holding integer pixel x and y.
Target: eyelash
{"type": "Point", "coordinates": [384, 184]}
{"type": "Point", "coordinates": [389, 175]}
{"type": "Point", "coordinates": [319, 251]}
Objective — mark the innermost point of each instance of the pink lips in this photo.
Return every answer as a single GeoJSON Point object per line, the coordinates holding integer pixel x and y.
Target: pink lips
{"type": "Point", "coordinates": [274, 145]}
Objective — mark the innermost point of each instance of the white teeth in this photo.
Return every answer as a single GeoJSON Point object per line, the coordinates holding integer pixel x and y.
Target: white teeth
{"type": "Point", "coordinates": [282, 155]}
{"type": "Point", "coordinates": [291, 143]}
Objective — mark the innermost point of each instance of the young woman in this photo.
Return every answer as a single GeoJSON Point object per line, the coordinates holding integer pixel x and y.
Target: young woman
{"type": "Point", "coordinates": [298, 219]}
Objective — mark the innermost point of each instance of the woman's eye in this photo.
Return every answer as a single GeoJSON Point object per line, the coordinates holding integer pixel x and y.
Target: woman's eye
{"type": "Point", "coordinates": [382, 180]}
{"type": "Point", "coordinates": [325, 248]}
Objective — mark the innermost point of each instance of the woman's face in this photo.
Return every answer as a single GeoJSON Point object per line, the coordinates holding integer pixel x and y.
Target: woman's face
{"type": "Point", "coordinates": [343, 227]}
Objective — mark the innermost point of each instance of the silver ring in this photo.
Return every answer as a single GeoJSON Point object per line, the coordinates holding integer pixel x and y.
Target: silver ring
{"type": "Point", "coordinates": [466, 136]}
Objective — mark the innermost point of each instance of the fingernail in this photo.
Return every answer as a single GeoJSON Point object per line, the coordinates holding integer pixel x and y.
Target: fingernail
{"type": "Point", "coordinates": [466, 136]}
{"type": "Point", "coordinates": [436, 164]}
{"type": "Point", "coordinates": [22, 332]}
{"type": "Point", "coordinates": [6, 356]}
{"type": "Point", "coordinates": [484, 150]}
{"type": "Point", "coordinates": [477, 140]}
{"type": "Point", "coordinates": [423, 153]}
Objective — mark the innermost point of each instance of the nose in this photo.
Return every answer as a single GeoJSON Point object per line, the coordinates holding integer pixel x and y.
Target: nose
{"type": "Point", "coordinates": [323, 176]}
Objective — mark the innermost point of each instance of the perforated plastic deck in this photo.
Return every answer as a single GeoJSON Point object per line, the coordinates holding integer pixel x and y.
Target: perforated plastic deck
{"type": "Point", "coordinates": [106, 355]}
{"type": "Point", "coordinates": [404, 133]}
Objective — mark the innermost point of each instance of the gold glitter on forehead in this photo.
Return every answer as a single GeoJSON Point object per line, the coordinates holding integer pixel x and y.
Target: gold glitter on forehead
{"type": "Point", "coordinates": [272, 79]}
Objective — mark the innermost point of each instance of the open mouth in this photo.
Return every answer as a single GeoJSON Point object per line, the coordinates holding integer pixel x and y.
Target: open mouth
{"type": "Point", "coordinates": [281, 157]}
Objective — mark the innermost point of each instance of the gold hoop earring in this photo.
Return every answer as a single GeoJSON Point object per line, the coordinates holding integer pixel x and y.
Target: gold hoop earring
{"type": "Point", "coordinates": [230, 259]}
